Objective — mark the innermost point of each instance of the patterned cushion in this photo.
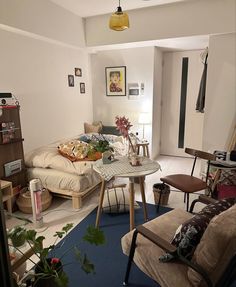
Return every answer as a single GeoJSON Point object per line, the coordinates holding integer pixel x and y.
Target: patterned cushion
{"type": "Point", "coordinates": [189, 234]}
{"type": "Point", "coordinates": [116, 200]}
{"type": "Point", "coordinates": [96, 127]}
{"type": "Point", "coordinates": [74, 150]}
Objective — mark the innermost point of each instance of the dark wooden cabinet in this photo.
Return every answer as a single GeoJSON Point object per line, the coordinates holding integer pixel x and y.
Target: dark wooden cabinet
{"type": "Point", "coordinates": [11, 147]}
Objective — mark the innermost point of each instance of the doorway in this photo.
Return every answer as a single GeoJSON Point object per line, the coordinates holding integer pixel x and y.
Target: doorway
{"type": "Point", "coordinates": [181, 124]}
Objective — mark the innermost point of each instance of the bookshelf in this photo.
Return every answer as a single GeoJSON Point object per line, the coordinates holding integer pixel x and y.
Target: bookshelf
{"type": "Point", "coordinates": [12, 165]}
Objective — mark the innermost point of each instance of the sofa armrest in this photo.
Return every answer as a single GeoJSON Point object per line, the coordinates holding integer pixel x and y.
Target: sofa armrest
{"type": "Point", "coordinates": [203, 199]}
{"type": "Point", "coordinates": [162, 243]}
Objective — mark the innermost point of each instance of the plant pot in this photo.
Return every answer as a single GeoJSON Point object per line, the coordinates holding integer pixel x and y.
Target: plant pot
{"type": "Point", "coordinates": [18, 240]}
{"type": "Point", "coordinates": [47, 280]}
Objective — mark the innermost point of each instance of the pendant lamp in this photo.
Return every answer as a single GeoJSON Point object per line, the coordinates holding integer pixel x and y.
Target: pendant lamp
{"type": "Point", "coordinates": [119, 20]}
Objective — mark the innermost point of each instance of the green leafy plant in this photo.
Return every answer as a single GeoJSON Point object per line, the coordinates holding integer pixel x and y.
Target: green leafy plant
{"type": "Point", "coordinates": [50, 266]}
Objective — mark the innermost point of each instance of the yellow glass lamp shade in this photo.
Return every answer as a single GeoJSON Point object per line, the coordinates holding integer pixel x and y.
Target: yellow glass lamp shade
{"type": "Point", "coordinates": [119, 20]}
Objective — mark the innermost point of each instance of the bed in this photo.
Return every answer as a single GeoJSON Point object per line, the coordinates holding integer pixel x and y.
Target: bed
{"type": "Point", "coordinates": [66, 178]}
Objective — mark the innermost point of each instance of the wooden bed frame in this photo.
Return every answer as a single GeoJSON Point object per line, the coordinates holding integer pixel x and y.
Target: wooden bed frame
{"type": "Point", "coordinates": [77, 197]}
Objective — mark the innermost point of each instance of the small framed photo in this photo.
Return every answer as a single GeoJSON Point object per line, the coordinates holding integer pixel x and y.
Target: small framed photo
{"type": "Point", "coordinates": [116, 81]}
{"type": "Point", "coordinates": [78, 72]}
{"type": "Point", "coordinates": [82, 88]}
{"type": "Point", "coordinates": [71, 81]}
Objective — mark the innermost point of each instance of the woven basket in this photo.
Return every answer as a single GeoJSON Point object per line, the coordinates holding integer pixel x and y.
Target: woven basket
{"type": "Point", "coordinates": [159, 188]}
{"type": "Point", "coordinates": [24, 200]}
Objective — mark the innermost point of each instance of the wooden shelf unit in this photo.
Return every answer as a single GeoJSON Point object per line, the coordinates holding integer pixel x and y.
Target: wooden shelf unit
{"type": "Point", "coordinates": [7, 194]}
{"type": "Point", "coordinates": [13, 149]}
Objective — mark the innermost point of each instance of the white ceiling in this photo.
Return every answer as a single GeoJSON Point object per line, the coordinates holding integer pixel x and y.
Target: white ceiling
{"type": "Point", "coordinates": [87, 8]}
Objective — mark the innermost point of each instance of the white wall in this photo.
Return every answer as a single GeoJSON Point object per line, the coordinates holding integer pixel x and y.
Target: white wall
{"type": "Point", "coordinates": [187, 18]}
{"type": "Point", "coordinates": [157, 92]}
{"type": "Point", "coordinates": [220, 111]}
{"type": "Point", "coordinates": [42, 17]}
{"type": "Point", "coordinates": [36, 73]}
{"type": "Point", "coordinates": [139, 64]}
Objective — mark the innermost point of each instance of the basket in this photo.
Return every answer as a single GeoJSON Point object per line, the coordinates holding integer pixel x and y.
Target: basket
{"type": "Point", "coordinates": [163, 190]}
{"type": "Point", "coordinates": [24, 200]}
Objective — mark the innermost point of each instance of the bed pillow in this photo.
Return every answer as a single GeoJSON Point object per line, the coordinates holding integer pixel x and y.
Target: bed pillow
{"type": "Point", "coordinates": [110, 130]}
{"type": "Point", "coordinates": [189, 234]}
{"type": "Point", "coordinates": [74, 150]}
{"type": "Point", "coordinates": [95, 127]}
{"type": "Point", "coordinates": [116, 200]}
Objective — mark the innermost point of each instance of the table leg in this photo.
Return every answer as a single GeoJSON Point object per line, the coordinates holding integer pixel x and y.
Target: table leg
{"type": "Point", "coordinates": [100, 203]}
{"type": "Point", "coordinates": [141, 183]}
{"type": "Point", "coordinates": [131, 203]}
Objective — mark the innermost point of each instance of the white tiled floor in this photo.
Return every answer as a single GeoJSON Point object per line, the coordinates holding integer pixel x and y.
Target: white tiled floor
{"type": "Point", "coordinates": [61, 212]}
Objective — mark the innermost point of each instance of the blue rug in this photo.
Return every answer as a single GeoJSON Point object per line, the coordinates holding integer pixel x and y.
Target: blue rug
{"type": "Point", "coordinates": [110, 263]}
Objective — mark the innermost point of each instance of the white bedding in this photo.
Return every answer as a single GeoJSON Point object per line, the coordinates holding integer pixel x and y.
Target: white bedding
{"type": "Point", "coordinates": [55, 179]}
{"type": "Point", "coordinates": [55, 170]}
{"type": "Point", "coordinates": [48, 157]}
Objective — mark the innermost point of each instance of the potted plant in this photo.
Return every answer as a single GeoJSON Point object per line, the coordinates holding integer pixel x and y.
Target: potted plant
{"type": "Point", "coordinates": [49, 269]}
{"type": "Point", "coordinates": [17, 236]}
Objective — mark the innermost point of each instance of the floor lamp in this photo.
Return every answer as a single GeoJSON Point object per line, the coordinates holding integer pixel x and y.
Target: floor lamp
{"type": "Point", "coordinates": [144, 119]}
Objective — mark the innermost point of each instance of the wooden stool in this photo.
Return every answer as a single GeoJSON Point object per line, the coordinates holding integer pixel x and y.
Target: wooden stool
{"type": "Point", "coordinates": [144, 147]}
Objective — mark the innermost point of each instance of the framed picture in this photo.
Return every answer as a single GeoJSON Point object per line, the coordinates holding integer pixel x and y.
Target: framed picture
{"type": "Point", "coordinates": [71, 81]}
{"type": "Point", "coordinates": [116, 81]}
{"type": "Point", "coordinates": [78, 72]}
{"type": "Point", "coordinates": [82, 88]}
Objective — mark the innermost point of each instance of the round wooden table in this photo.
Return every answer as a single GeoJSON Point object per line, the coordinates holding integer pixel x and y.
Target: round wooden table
{"type": "Point", "coordinates": [148, 167]}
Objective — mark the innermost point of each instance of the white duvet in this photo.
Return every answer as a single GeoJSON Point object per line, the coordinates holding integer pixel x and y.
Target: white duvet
{"type": "Point", "coordinates": [48, 157]}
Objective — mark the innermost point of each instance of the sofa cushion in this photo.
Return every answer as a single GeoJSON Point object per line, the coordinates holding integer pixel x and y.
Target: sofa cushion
{"type": "Point", "coordinates": [217, 246]}
{"type": "Point", "coordinates": [189, 234]}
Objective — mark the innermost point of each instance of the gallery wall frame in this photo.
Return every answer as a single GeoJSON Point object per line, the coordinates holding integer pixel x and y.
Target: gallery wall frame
{"type": "Point", "coordinates": [78, 72]}
{"type": "Point", "coordinates": [82, 88]}
{"type": "Point", "coordinates": [115, 81]}
{"type": "Point", "coordinates": [71, 82]}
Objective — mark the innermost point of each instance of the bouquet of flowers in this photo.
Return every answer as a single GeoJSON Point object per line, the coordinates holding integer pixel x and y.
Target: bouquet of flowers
{"type": "Point", "coordinates": [123, 125]}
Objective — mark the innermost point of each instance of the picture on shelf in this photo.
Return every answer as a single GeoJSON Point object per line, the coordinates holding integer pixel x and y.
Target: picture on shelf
{"type": "Point", "coordinates": [78, 72]}
{"type": "Point", "coordinates": [116, 81]}
{"type": "Point", "coordinates": [71, 80]}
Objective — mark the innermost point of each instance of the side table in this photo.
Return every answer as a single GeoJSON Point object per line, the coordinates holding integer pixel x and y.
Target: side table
{"type": "Point", "coordinates": [122, 168]}
{"type": "Point", "coordinates": [145, 149]}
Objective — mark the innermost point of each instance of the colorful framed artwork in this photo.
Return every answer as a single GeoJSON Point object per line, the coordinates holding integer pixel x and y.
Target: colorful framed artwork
{"type": "Point", "coordinates": [82, 88]}
{"type": "Point", "coordinates": [116, 81]}
{"type": "Point", "coordinates": [71, 81]}
{"type": "Point", "coordinates": [78, 72]}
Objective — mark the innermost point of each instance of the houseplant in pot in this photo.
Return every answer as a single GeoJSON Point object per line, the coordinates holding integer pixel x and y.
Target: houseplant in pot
{"type": "Point", "coordinates": [49, 269]}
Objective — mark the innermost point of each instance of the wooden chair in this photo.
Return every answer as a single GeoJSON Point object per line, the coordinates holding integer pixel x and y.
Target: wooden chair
{"type": "Point", "coordinates": [189, 183]}
{"type": "Point", "coordinates": [216, 267]}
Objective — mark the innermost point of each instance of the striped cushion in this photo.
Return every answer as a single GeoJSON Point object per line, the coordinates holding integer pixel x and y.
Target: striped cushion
{"type": "Point", "coordinates": [116, 200]}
